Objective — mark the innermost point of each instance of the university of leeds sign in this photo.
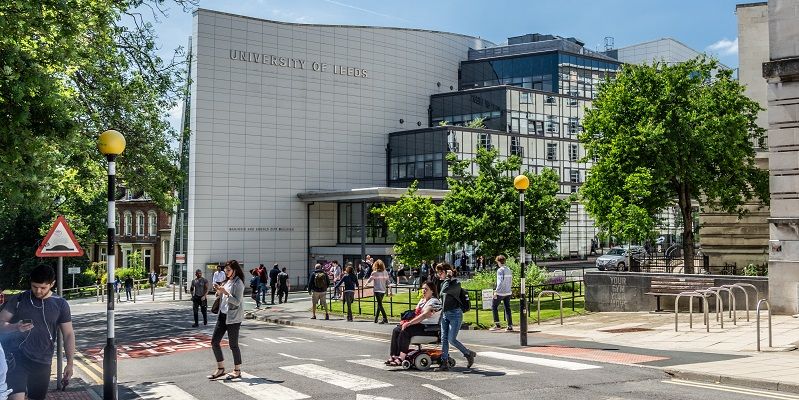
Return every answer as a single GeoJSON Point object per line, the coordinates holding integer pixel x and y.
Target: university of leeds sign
{"type": "Point", "coordinates": [287, 62]}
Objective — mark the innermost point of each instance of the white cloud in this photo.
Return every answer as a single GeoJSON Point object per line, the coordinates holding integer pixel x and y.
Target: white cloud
{"type": "Point", "coordinates": [724, 47]}
{"type": "Point", "coordinates": [289, 16]}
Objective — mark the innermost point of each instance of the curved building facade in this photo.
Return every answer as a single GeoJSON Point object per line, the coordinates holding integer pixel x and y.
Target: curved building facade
{"type": "Point", "coordinates": [279, 109]}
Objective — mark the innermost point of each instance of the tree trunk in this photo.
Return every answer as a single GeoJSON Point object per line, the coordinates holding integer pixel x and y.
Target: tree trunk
{"type": "Point", "coordinates": [687, 229]}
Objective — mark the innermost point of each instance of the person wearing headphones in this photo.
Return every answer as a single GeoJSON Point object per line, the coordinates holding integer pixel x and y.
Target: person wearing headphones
{"type": "Point", "coordinates": [33, 317]}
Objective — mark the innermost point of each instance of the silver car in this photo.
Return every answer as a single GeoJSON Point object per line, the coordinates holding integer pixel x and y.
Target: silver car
{"type": "Point", "coordinates": [616, 258]}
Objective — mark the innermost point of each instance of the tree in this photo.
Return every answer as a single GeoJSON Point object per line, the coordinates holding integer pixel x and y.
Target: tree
{"type": "Point", "coordinates": [416, 222]}
{"type": "Point", "coordinates": [68, 71]}
{"type": "Point", "coordinates": [664, 133]}
{"type": "Point", "coordinates": [484, 207]}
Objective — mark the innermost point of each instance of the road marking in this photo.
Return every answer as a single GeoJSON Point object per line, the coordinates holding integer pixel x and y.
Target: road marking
{"type": "Point", "coordinates": [429, 375]}
{"type": "Point", "coordinates": [569, 365]}
{"type": "Point", "coordinates": [734, 389]}
{"type": "Point", "coordinates": [161, 390]}
{"type": "Point", "coordinates": [284, 339]}
{"type": "Point", "coordinates": [300, 358]}
{"type": "Point", "coordinates": [442, 391]}
{"type": "Point", "coordinates": [359, 396]}
{"type": "Point", "coordinates": [260, 388]}
{"type": "Point", "coordinates": [480, 367]}
{"type": "Point", "coordinates": [338, 378]}
{"type": "Point", "coordinates": [88, 368]}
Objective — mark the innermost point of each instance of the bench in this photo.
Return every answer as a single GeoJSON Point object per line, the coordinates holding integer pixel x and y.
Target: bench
{"type": "Point", "coordinates": [674, 285]}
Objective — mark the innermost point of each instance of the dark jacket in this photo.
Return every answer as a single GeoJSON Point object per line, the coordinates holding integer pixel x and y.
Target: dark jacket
{"type": "Point", "coordinates": [350, 282]}
{"type": "Point", "coordinates": [450, 294]}
{"type": "Point", "coordinates": [312, 282]}
{"type": "Point", "coordinates": [273, 275]}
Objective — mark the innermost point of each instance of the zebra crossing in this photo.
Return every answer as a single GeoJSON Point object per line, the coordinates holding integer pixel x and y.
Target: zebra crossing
{"type": "Point", "coordinates": [351, 377]}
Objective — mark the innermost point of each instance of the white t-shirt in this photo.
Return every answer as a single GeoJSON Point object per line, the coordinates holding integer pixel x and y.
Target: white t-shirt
{"type": "Point", "coordinates": [433, 304]}
{"type": "Point", "coordinates": [380, 281]}
{"type": "Point", "coordinates": [219, 276]}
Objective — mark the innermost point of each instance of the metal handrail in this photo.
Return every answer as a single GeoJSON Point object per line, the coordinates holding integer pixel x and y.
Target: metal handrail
{"type": "Point", "coordinates": [746, 295]}
{"type": "Point", "coordinates": [692, 294]}
{"type": "Point", "coordinates": [759, 302]}
{"type": "Point", "coordinates": [552, 292]}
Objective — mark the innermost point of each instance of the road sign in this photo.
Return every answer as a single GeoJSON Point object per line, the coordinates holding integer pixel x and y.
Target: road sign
{"type": "Point", "coordinates": [488, 298]}
{"type": "Point", "coordinates": [73, 270]}
{"type": "Point", "coordinates": [180, 258]}
{"type": "Point", "coordinates": [60, 241]}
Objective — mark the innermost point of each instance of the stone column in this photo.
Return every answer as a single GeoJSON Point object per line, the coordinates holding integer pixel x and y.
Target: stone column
{"type": "Point", "coordinates": [782, 74]}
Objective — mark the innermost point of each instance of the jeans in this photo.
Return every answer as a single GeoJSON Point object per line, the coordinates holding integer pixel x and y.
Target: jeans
{"type": "Point", "coordinates": [273, 287]}
{"type": "Point", "coordinates": [128, 294]}
{"type": "Point", "coordinates": [379, 309]}
{"type": "Point", "coordinates": [283, 294]}
{"type": "Point", "coordinates": [199, 304]}
{"type": "Point", "coordinates": [495, 308]}
{"type": "Point", "coordinates": [450, 325]}
{"type": "Point", "coordinates": [262, 289]}
{"type": "Point", "coordinates": [349, 297]}
{"type": "Point", "coordinates": [232, 339]}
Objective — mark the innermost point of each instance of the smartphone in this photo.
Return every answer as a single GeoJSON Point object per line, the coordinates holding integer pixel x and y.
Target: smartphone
{"type": "Point", "coordinates": [26, 321]}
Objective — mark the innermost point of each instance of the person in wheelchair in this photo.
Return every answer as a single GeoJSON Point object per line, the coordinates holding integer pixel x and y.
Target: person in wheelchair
{"type": "Point", "coordinates": [423, 323]}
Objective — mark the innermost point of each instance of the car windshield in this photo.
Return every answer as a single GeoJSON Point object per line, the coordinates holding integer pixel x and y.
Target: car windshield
{"type": "Point", "coordinates": [616, 252]}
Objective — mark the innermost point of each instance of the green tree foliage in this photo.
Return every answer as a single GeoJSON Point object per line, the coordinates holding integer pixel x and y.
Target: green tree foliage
{"type": "Point", "coordinates": [70, 69]}
{"type": "Point", "coordinates": [416, 222]}
{"type": "Point", "coordinates": [665, 134]}
{"type": "Point", "coordinates": [484, 206]}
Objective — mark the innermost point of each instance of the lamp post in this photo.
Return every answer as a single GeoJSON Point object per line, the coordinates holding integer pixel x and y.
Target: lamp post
{"type": "Point", "coordinates": [111, 143]}
{"type": "Point", "coordinates": [521, 183]}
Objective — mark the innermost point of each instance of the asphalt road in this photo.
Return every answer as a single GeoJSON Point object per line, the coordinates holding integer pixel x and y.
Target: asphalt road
{"type": "Point", "coordinates": [162, 357]}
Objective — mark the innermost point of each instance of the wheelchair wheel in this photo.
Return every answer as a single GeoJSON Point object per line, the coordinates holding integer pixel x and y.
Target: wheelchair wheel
{"type": "Point", "coordinates": [451, 362]}
{"type": "Point", "coordinates": [406, 364]}
{"type": "Point", "coordinates": [422, 362]}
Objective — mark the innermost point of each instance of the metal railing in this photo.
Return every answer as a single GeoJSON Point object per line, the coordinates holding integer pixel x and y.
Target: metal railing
{"type": "Point", "coordinates": [691, 295]}
{"type": "Point", "coordinates": [538, 301]}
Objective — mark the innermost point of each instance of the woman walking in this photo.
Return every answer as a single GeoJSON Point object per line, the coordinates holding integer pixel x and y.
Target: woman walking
{"type": "Point", "coordinates": [231, 313]}
{"type": "Point", "coordinates": [350, 282]}
{"type": "Point", "coordinates": [379, 278]}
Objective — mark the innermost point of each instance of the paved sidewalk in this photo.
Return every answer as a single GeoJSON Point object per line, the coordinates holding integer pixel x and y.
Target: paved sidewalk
{"type": "Point", "coordinates": [725, 355]}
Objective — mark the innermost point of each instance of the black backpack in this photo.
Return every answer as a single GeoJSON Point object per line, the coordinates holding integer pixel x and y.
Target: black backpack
{"type": "Point", "coordinates": [320, 281]}
{"type": "Point", "coordinates": [466, 305]}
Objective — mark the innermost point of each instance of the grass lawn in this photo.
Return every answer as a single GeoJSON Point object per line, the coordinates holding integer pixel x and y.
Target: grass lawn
{"type": "Point", "coordinates": [482, 319]}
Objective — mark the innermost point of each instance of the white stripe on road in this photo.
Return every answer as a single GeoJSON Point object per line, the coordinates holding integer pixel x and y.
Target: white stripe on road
{"type": "Point", "coordinates": [442, 391]}
{"type": "Point", "coordinates": [480, 368]}
{"type": "Point", "coordinates": [733, 389]}
{"type": "Point", "coordinates": [437, 376]}
{"type": "Point", "coordinates": [572, 366]}
{"type": "Point", "coordinates": [359, 396]}
{"type": "Point", "coordinates": [260, 388]}
{"type": "Point", "coordinates": [161, 390]}
{"type": "Point", "coordinates": [300, 358]}
{"type": "Point", "coordinates": [338, 378]}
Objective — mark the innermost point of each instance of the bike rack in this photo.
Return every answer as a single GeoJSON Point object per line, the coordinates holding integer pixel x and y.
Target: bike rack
{"type": "Point", "coordinates": [730, 300]}
{"type": "Point", "coordinates": [692, 294]}
{"type": "Point", "coordinates": [746, 295]}
{"type": "Point", "coordinates": [543, 292]}
{"type": "Point", "coordinates": [719, 305]}
{"type": "Point", "coordinates": [757, 295]}
{"type": "Point", "coordinates": [759, 302]}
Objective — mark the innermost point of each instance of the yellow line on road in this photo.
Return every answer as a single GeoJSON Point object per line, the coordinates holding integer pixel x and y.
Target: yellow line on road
{"type": "Point", "coordinates": [734, 389]}
{"type": "Point", "coordinates": [88, 367]}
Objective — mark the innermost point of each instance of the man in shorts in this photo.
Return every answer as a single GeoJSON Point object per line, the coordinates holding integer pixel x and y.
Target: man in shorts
{"type": "Point", "coordinates": [32, 317]}
{"type": "Point", "coordinates": [318, 283]}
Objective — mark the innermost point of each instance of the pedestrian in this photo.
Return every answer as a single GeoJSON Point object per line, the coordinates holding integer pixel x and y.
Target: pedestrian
{"type": "Point", "coordinates": [427, 312]}
{"type": "Point", "coordinates": [199, 297]}
{"type": "Point", "coordinates": [379, 279]}
{"type": "Point", "coordinates": [338, 273]}
{"type": "Point", "coordinates": [219, 276]}
{"type": "Point", "coordinates": [263, 280]}
{"type": "Point", "coordinates": [153, 279]}
{"type": "Point", "coordinates": [128, 288]}
{"type": "Point", "coordinates": [424, 271]}
{"type": "Point", "coordinates": [318, 283]}
{"type": "Point", "coordinates": [116, 285]}
{"type": "Point", "coordinates": [350, 282]}
{"type": "Point", "coordinates": [32, 317]}
{"type": "Point", "coordinates": [3, 371]}
{"type": "Point", "coordinates": [453, 297]}
{"type": "Point", "coordinates": [502, 293]}
{"type": "Point", "coordinates": [283, 286]}
{"type": "Point", "coordinates": [231, 313]}
{"type": "Point", "coordinates": [273, 273]}
{"type": "Point", "coordinates": [255, 283]}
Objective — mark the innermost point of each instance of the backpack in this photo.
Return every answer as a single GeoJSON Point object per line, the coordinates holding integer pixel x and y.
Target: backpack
{"type": "Point", "coordinates": [320, 280]}
{"type": "Point", "coordinates": [463, 298]}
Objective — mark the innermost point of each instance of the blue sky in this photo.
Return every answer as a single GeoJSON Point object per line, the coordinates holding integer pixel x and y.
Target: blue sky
{"type": "Point", "coordinates": [704, 25]}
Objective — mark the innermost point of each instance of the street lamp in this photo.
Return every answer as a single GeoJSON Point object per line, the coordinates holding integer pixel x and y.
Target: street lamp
{"type": "Point", "coordinates": [111, 143]}
{"type": "Point", "coordinates": [521, 183]}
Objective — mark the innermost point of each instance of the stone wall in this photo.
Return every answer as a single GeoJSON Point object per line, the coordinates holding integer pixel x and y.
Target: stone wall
{"type": "Point", "coordinates": [626, 291]}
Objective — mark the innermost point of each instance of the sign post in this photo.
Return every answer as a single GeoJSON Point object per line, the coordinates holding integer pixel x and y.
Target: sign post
{"type": "Point", "coordinates": [60, 242]}
{"type": "Point", "coordinates": [72, 271]}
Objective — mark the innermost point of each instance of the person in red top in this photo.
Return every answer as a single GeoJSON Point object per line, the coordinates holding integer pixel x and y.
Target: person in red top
{"type": "Point", "coordinates": [262, 278]}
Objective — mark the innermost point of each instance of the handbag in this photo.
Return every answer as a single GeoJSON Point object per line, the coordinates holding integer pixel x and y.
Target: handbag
{"type": "Point", "coordinates": [408, 315]}
{"type": "Point", "coordinates": [215, 306]}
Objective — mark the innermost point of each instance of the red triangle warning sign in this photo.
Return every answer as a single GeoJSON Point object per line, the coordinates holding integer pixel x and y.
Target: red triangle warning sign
{"type": "Point", "coordinates": [60, 241]}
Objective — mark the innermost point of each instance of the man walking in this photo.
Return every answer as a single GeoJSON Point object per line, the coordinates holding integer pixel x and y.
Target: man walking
{"type": "Point", "coordinates": [453, 297]}
{"type": "Point", "coordinates": [262, 281]}
{"type": "Point", "coordinates": [337, 275]}
{"type": "Point", "coordinates": [273, 281]}
{"type": "Point", "coordinates": [153, 279]}
{"type": "Point", "coordinates": [318, 283]}
{"type": "Point", "coordinates": [128, 288]}
{"type": "Point", "coordinates": [502, 293]}
{"type": "Point", "coordinates": [219, 275]}
{"type": "Point", "coordinates": [283, 286]}
{"type": "Point", "coordinates": [199, 297]}
{"type": "Point", "coordinates": [32, 317]}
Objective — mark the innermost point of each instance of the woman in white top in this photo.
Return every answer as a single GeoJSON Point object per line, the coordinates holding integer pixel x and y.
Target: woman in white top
{"type": "Point", "coordinates": [380, 279]}
{"type": "Point", "coordinates": [231, 313]}
{"type": "Point", "coordinates": [428, 313]}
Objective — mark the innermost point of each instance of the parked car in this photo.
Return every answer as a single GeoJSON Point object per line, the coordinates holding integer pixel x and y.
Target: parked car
{"type": "Point", "coordinates": [616, 258]}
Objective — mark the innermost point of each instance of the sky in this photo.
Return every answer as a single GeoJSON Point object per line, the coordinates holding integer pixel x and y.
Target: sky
{"type": "Point", "coordinates": [704, 25]}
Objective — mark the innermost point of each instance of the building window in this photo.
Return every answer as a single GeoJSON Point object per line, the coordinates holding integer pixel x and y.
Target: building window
{"type": "Point", "coordinates": [164, 252]}
{"type": "Point", "coordinates": [152, 223]}
{"type": "Point", "coordinates": [103, 254]}
{"type": "Point", "coordinates": [574, 189]}
{"type": "Point", "coordinates": [552, 151]}
{"type": "Point", "coordinates": [147, 259]}
{"type": "Point", "coordinates": [117, 221]}
{"type": "Point", "coordinates": [574, 176]}
{"type": "Point", "coordinates": [573, 152]}
{"type": "Point", "coordinates": [349, 224]}
{"type": "Point", "coordinates": [550, 100]}
{"type": "Point", "coordinates": [128, 223]}
{"type": "Point", "coordinates": [525, 98]}
{"type": "Point", "coordinates": [485, 141]}
{"type": "Point", "coordinates": [535, 127]}
{"type": "Point", "coordinates": [515, 147]}
{"type": "Point", "coordinates": [139, 223]}
{"type": "Point", "coordinates": [552, 124]}
{"type": "Point", "coordinates": [574, 125]}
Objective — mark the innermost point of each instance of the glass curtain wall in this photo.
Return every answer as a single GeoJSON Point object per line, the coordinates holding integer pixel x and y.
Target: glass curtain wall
{"type": "Point", "coordinates": [350, 215]}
